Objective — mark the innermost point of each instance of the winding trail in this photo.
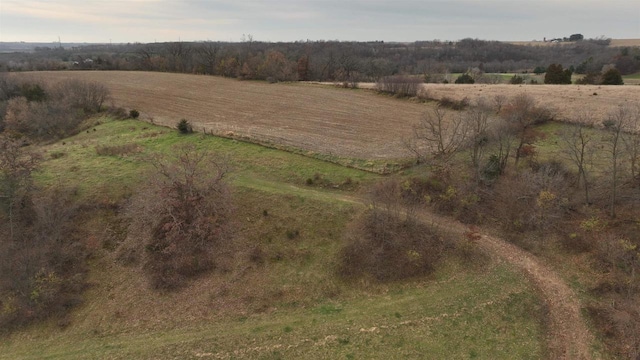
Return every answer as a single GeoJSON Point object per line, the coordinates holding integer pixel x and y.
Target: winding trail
{"type": "Point", "coordinates": [567, 334]}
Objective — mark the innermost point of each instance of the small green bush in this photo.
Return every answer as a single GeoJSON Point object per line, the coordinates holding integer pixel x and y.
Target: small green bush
{"type": "Point", "coordinates": [612, 77]}
{"type": "Point", "coordinates": [465, 79]}
{"type": "Point", "coordinates": [134, 114]}
{"type": "Point", "coordinates": [184, 126]}
{"type": "Point", "coordinates": [516, 80]}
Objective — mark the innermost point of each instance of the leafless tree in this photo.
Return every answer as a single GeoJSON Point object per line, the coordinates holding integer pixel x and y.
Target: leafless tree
{"type": "Point", "coordinates": [617, 122]}
{"type": "Point", "coordinates": [631, 141]}
{"type": "Point", "coordinates": [440, 133]}
{"type": "Point", "coordinates": [477, 119]}
{"type": "Point", "coordinates": [208, 56]}
{"type": "Point", "coordinates": [399, 85]}
{"type": "Point", "coordinates": [522, 113]}
{"type": "Point", "coordinates": [578, 146]}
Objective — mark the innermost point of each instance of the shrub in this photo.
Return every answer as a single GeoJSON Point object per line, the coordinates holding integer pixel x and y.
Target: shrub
{"type": "Point", "coordinates": [612, 77]}
{"type": "Point", "coordinates": [465, 79]}
{"type": "Point", "coordinates": [539, 70]}
{"type": "Point", "coordinates": [42, 265]}
{"type": "Point", "coordinates": [33, 92]}
{"type": "Point", "coordinates": [453, 104]}
{"type": "Point", "coordinates": [117, 112]}
{"type": "Point", "coordinates": [386, 247]}
{"type": "Point", "coordinates": [134, 114]}
{"type": "Point", "coordinates": [183, 217]}
{"type": "Point", "coordinates": [557, 75]}
{"type": "Point", "coordinates": [591, 78]}
{"type": "Point", "coordinates": [184, 126]}
{"type": "Point", "coordinates": [516, 80]}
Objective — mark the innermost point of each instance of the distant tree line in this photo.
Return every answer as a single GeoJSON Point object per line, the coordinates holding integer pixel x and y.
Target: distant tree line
{"type": "Point", "coordinates": [329, 60]}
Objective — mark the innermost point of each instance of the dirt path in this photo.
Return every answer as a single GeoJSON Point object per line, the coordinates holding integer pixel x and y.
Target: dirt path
{"type": "Point", "coordinates": [567, 334]}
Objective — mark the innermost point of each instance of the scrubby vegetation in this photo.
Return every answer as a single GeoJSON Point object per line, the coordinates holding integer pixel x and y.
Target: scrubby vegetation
{"type": "Point", "coordinates": [184, 218]}
{"type": "Point", "coordinates": [42, 256]}
{"type": "Point", "coordinates": [45, 112]}
{"type": "Point", "coordinates": [560, 191]}
{"type": "Point", "coordinates": [577, 191]}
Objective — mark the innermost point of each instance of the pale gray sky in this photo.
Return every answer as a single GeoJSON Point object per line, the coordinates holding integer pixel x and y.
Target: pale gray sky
{"type": "Point", "coordinates": [290, 20]}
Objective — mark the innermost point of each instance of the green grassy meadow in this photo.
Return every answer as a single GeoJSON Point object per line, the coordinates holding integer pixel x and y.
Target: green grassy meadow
{"type": "Point", "coordinates": [280, 297]}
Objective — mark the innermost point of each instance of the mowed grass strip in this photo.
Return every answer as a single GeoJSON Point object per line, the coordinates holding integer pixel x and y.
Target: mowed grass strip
{"type": "Point", "coordinates": [77, 161]}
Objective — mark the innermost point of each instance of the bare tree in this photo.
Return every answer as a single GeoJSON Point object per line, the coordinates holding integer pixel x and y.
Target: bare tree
{"type": "Point", "coordinates": [208, 56]}
{"type": "Point", "coordinates": [617, 122]}
{"type": "Point", "coordinates": [579, 148]}
{"type": "Point", "coordinates": [400, 85]}
{"type": "Point", "coordinates": [631, 141]}
{"type": "Point", "coordinates": [477, 119]}
{"type": "Point", "coordinates": [440, 133]}
{"type": "Point", "coordinates": [522, 113]}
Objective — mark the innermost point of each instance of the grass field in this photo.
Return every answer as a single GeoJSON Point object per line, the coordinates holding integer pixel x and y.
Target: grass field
{"type": "Point", "coordinates": [291, 305]}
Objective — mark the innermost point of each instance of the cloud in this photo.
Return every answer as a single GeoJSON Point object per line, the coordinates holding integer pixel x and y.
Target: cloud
{"type": "Point", "coordinates": [286, 20]}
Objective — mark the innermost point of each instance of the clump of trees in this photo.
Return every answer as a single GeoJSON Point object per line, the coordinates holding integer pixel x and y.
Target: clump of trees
{"type": "Point", "coordinates": [399, 85]}
{"type": "Point", "coordinates": [183, 218]}
{"type": "Point", "coordinates": [48, 111]}
{"type": "Point", "coordinates": [484, 167]}
{"type": "Point", "coordinates": [609, 77]}
{"type": "Point", "coordinates": [326, 60]}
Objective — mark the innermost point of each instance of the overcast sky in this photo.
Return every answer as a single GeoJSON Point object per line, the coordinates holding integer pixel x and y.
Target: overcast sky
{"type": "Point", "coordinates": [289, 20]}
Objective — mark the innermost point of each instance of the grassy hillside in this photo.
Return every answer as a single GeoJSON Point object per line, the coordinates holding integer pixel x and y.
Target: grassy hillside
{"type": "Point", "coordinates": [279, 297]}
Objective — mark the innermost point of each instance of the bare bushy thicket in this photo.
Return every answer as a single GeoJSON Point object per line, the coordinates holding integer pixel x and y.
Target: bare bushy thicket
{"type": "Point", "coordinates": [42, 260]}
{"type": "Point", "coordinates": [533, 200]}
{"type": "Point", "coordinates": [400, 85]}
{"type": "Point", "coordinates": [183, 217]}
{"type": "Point", "coordinates": [44, 112]}
{"type": "Point", "coordinates": [387, 243]}
{"type": "Point", "coordinates": [89, 96]}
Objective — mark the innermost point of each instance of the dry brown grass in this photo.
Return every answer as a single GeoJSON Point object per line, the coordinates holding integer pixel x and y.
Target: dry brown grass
{"type": "Point", "coordinates": [624, 42]}
{"type": "Point", "coordinates": [614, 43]}
{"type": "Point", "coordinates": [566, 100]}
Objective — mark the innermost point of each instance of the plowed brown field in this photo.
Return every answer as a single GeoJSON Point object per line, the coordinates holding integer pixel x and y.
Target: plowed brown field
{"type": "Point", "coordinates": [346, 123]}
{"type": "Point", "coordinates": [319, 118]}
